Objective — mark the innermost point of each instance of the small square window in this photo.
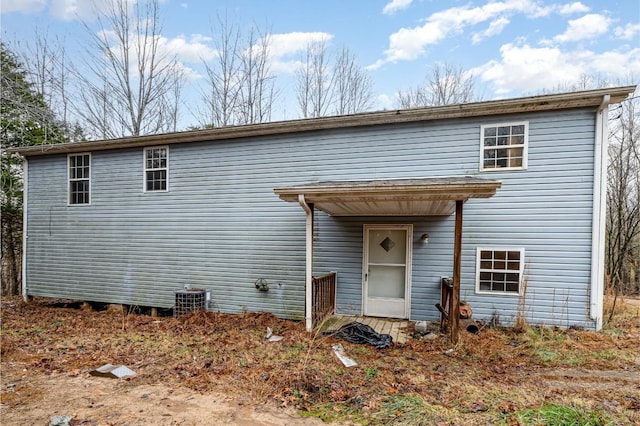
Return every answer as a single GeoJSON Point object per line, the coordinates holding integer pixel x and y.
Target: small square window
{"type": "Point", "coordinates": [156, 169]}
{"type": "Point", "coordinates": [504, 146]}
{"type": "Point", "coordinates": [499, 270]}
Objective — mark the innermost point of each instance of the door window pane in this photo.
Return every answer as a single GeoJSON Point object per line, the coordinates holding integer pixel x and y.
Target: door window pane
{"type": "Point", "coordinates": [386, 281]}
{"type": "Point", "coordinates": [388, 246]}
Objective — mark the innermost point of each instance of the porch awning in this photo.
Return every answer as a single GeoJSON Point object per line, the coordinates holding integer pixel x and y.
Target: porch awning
{"type": "Point", "coordinates": [391, 197]}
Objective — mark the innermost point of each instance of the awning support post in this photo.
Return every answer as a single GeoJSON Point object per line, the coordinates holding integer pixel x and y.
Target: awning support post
{"type": "Point", "coordinates": [454, 300]}
{"type": "Point", "coordinates": [308, 310]}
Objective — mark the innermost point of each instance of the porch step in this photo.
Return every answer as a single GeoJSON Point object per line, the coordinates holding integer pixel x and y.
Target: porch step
{"type": "Point", "coordinates": [395, 327]}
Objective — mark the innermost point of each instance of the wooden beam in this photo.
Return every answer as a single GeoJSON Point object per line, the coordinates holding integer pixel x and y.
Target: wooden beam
{"type": "Point", "coordinates": [454, 300]}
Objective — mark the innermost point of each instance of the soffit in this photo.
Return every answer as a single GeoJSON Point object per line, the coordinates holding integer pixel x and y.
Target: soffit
{"type": "Point", "coordinates": [393, 197]}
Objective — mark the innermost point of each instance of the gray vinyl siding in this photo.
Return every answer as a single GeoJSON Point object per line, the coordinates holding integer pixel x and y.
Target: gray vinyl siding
{"type": "Point", "coordinates": [430, 261]}
{"type": "Point", "coordinates": [548, 211]}
{"type": "Point", "coordinates": [221, 227]}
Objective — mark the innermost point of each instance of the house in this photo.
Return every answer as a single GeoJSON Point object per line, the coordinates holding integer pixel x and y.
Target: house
{"type": "Point", "coordinates": [377, 198]}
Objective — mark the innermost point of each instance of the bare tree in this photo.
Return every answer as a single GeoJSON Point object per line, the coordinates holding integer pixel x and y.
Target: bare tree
{"type": "Point", "coordinates": [314, 81]}
{"type": "Point", "coordinates": [446, 85]}
{"type": "Point", "coordinates": [41, 60]}
{"type": "Point", "coordinates": [352, 86]}
{"type": "Point", "coordinates": [304, 84]}
{"type": "Point", "coordinates": [130, 81]}
{"type": "Point", "coordinates": [257, 89]}
{"type": "Point", "coordinates": [584, 82]}
{"type": "Point", "coordinates": [323, 88]}
{"type": "Point", "coordinates": [221, 94]}
{"type": "Point", "coordinates": [46, 64]}
{"type": "Point", "coordinates": [623, 199]}
{"type": "Point", "coordinates": [170, 112]}
{"type": "Point", "coordinates": [240, 88]}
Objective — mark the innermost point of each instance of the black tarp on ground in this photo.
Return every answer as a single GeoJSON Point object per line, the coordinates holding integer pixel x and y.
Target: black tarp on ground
{"type": "Point", "coordinates": [356, 332]}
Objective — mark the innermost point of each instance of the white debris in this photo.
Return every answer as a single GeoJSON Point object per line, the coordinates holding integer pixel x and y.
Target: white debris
{"type": "Point", "coordinates": [113, 371]}
{"type": "Point", "coordinates": [272, 337]}
{"type": "Point", "coordinates": [339, 351]}
{"type": "Point", "coordinates": [60, 420]}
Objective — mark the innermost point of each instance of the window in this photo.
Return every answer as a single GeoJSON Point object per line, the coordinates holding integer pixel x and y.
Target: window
{"type": "Point", "coordinates": [504, 146]}
{"type": "Point", "coordinates": [79, 178]}
{"type": "Point", "coordinates": [499, 270]}
{"type": "Point", "coordinates": [156, 166]}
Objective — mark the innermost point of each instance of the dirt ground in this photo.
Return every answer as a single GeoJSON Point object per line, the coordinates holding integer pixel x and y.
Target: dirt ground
{"type": "Point", "coordinates": [215, 369]}
{"type": "Point", "coordinates": [102, 401]}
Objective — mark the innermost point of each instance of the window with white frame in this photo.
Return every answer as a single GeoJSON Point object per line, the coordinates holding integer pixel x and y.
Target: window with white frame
{"type": "Point", "coordinates": [504, 146]}
{"type": "Point", "coordinates": [79, 175]}
{"type": "Point", "coordinates": [156, 168]}
{"type": "Point", "coordinates": [499, 270]}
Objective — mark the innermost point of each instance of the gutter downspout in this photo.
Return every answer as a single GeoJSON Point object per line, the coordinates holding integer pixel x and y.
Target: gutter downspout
{"type": "Point", "coordinates": [599, 212]}
{"type": "Point", "coordinates": [308, 209]}
{"type": "Point", "coordinates": [25, 198]}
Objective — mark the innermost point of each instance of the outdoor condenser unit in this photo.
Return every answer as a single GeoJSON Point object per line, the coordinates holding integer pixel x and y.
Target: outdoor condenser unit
{"type": "Point", "coordinates": [190, 300]}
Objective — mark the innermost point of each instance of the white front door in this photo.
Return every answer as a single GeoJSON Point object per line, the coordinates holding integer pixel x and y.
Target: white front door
{"type": "Point", "coordinates": [387, 270]}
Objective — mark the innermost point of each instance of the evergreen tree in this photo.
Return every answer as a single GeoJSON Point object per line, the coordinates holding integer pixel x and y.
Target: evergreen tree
{"type": "Point", "coordinates": [25, 120]}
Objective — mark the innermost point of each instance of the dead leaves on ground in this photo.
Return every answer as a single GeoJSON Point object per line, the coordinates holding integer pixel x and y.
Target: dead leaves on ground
{"type": "Point", "coordinates": [207, 352]}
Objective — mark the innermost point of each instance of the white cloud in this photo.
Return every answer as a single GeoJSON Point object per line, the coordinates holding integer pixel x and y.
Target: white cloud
{"type": "Point", "coordinates": [410, 43]}
{"type": "Point", "coordinates": [290, 43]}
{"type": "Point", "coordinates": [184, 50]}
{"type": "Point", "coordinates": [385, 102]}
{"type": "Point", "coordinates": [495, 28]}
{"type": "Point", "coordinates": [284, 48]}
{"type": "Point", "coordinates": [68, 10]}
{"type": "Point", "coordinates": [577, 7]}
{"type": "Point", "coordinates": [395, 5]}
{"type": "Point", "coordinates": [188, 73]}
{"type": "Point", "coordinates": [628, 31]}
{"type": "Point", "coordinates": [85, 10]}
{"type": "Point", "coordinates": [191, 50]}
{"type": "Point", "coordinates": [526, 68]}
{"type": "Point", "coordinates": [617, 65]}
{"type": "Point", "coordinates": [589, 26]}
{"type": "Point", "coordinates": [64, 9]}
{"type": "Point", "coordinates": [23, 6]}
{"type": "Point", "coordinates": [530, 69]}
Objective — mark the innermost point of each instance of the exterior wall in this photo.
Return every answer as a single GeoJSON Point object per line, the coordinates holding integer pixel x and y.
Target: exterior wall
{"type": "Point", "coordinates": [221, 227]}
{"type": "Point", "coordinates": [549, 208]}
{"type": "Point", "coordinates": [545, 209]}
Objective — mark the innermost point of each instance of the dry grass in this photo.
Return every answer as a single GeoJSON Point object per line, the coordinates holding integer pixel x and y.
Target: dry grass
{"type": "Point", "coordinates": [488, 378]}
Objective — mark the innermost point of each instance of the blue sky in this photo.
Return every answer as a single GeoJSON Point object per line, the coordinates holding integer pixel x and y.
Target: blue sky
{"type": "Point", "coordinates": [513, 47]}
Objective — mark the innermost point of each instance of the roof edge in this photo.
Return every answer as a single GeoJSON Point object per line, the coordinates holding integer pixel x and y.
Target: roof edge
{"type": "Point", "coordinates": [583, 99]}
{"type": "Point", "coordinates": [441, 188]}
